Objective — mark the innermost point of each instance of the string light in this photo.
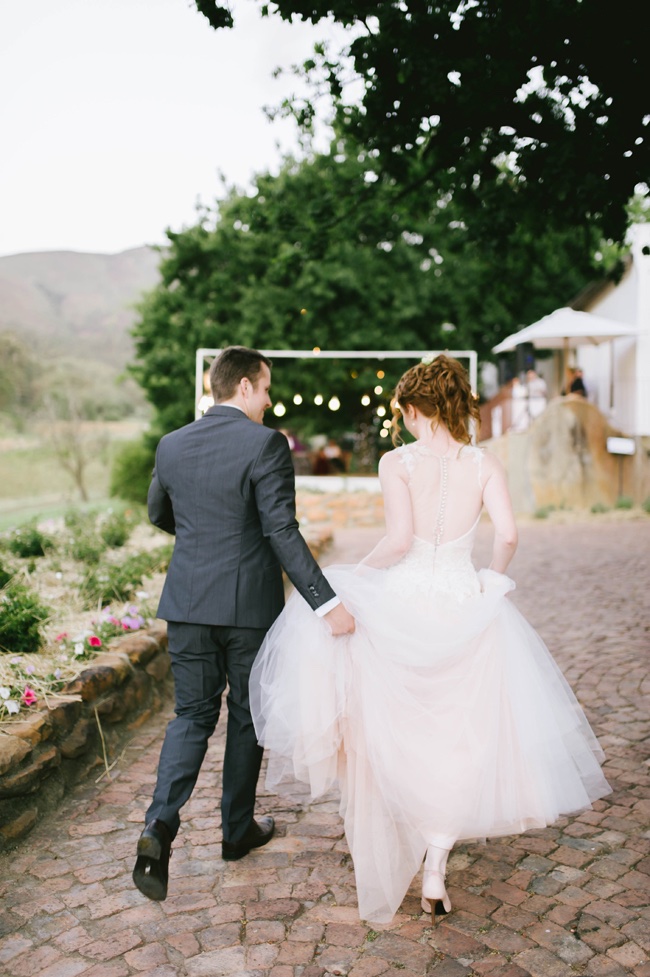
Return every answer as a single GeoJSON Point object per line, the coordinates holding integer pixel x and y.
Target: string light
{"type": "Point", "coordinates": [297, 398]}
{"type": "Point", "coordinates": [316, 350]}
{"type": "Point", "coordinates": [279, 410]}
{"type": "Point", "coordinates": [205, 403]}
{"type": "Point", "coordinates": [380, 374]}
{"type": "Point", "coordinates": [381, 411]}
{"type": "Point", "coordinates": [365, 400]}
{"type": "Point", "coordinates": [383, 433]}
{"type": "Point", "coordinates": [387, 423]}
{"type": "Point", "coordinates": [334, 403]}
{"type": "Point", "coordinates": [318, 399]}
{"type": "Point", "coordinates": [379, 390]}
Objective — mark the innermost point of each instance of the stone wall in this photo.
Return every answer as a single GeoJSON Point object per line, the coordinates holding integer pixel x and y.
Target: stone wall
{"type": "Point", "coordinates": [51, 749]}
{"type": "Point", "coordinates": [338, 509]}
{"type": "Point", "coordinates": [562, 460]}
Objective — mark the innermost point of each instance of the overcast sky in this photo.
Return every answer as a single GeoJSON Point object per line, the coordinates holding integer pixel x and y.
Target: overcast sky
{"type": "Point", "coordinates": [117, 115]}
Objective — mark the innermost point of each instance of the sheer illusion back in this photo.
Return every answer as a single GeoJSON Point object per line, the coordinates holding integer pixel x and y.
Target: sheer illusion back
{"type": "Point", "coordinates": [446, 491]}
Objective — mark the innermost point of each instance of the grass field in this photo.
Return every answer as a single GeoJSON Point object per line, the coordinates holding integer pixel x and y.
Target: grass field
{"type": "Point", "coordinates": [33, 482]}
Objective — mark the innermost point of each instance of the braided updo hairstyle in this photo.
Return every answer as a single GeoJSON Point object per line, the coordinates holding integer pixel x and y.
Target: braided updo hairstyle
{"type": "Point", "coordinates": [441, 391]}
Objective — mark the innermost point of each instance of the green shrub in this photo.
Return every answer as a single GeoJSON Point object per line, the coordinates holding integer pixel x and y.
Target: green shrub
{"type": "Point", "coordinates": [83, 542]}
{"type": "Point", "coordinates": [21, 619]}
{"type": "Point", "coordinates": [624, 502]}
{"type": "Point", "coordinates": [131, 471]}
{"type": "Point", "coordinates": [28, 540]}
{"type": "Point", "coordinates": [598, 507]}
{"type": "Point", "coordinates": [544, 511]}
{"type": "Point", "coordinates": [645, 505]}
{"type": "Point", "coordinates": [115, 528]}
{"type": "Point", "coordinates": [89, 534]}
{"type": "Point", "coordinates": [78, 520]}
{"type": "Point", "coordinates": [86, 548]}
{"type": "Point", "coordinates": [119, 581]}
{"type": "Point", "coordinates": [6, 574]}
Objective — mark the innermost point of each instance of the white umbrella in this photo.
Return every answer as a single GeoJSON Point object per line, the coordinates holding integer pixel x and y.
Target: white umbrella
{"type": "Point", "coordinates": [566, 327]}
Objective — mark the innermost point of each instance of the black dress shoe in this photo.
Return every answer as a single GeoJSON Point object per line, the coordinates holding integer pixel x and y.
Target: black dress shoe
{"type": "Point", "coordinates": [152, 864]}
{"type": "Point", "coordinates": [259, 833]}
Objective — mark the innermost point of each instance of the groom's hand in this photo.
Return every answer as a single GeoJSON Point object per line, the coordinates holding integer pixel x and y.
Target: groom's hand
{"type": "Point", "coordinates": [339, 620]}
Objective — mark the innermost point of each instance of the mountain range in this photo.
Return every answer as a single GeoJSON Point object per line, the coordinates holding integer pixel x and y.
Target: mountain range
{"type": "Point", "coordinates": [68, 303]}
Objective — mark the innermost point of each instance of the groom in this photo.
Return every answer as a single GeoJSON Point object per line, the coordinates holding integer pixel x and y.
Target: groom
{"type": "Point", "coordinates": [224, 486]}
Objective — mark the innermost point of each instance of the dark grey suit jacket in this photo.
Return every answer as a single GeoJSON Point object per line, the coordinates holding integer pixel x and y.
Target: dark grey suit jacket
{"type": "Point", "coordinates": [225, 487]}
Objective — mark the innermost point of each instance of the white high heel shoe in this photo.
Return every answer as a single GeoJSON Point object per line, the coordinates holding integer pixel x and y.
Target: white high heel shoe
{"type": "Point", "coordinates": [433, 882]}
{"type": "Point", "coordinates": [433, 890]}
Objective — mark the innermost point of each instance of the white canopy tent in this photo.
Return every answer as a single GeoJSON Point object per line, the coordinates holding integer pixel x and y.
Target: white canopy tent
{"type": "Point", "coordinates": [565, 328]}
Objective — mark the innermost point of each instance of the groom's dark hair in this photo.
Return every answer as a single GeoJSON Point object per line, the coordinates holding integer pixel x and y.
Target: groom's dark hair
{"type": "Point", "coordinates": [232, 365]}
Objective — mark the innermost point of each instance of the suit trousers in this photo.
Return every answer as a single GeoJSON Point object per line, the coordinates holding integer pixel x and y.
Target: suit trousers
{"type": "Point", "coordinates": [205, 659]}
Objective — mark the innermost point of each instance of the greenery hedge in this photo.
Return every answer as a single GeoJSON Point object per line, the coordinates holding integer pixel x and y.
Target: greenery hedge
{"type": "Point", "coordinates": [131, 471]}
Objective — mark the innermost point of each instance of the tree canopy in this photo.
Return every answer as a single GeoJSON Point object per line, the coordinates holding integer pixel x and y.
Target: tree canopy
{"type": "Point", "coordinates": [532, 112]}
{"type": "Point", "coordinates": [331, 254]}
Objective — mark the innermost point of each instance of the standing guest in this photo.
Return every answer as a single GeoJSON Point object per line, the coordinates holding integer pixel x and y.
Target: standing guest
{"type": "Point", "coordinates": [321, 464]}
{"type": "Point", "coordinates": [578, 384]}
{"type": "Point", "coordinates": [518, 410]}
{"type": "Point", "coordinates": [334, 455]}
{"type": "Point", "coordinates": [224, 486]}
{"type": "Point", "coordinates": [536, 392]}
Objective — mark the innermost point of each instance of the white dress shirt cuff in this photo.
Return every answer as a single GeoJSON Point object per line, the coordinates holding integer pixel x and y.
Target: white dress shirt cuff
{"type": "Point", "coordinates": [328, 606]}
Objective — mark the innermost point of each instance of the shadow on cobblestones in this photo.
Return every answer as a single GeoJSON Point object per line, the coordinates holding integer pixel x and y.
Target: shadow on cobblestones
{"type": "Point", "coordinates": [571, 899]}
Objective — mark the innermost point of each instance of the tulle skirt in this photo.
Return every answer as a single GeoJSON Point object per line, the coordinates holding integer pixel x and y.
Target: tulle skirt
{"type": "Point", "coordinates": [439, 720]}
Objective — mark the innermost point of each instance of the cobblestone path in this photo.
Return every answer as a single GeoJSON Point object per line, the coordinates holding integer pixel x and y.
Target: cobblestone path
{"type": "Point", "coordinates": [572, 899]}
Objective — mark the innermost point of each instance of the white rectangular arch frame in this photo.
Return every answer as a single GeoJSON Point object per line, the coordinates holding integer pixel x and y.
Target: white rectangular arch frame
{"type": "Point", "coordinates": [333, 354]}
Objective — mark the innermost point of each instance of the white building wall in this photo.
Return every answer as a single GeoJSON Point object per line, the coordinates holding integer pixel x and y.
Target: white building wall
{"type": "Point", "coordinates": [617, 375]}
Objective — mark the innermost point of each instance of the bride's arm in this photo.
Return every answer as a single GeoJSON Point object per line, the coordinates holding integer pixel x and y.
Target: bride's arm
{"type": "Point", "coordinates": [496, 498]}
{"type": "Point", "coordinates": [397, 514]}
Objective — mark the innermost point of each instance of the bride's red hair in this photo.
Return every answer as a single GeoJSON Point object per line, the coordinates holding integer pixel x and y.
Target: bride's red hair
{"type": "Point", "coordinates": [441, 391]}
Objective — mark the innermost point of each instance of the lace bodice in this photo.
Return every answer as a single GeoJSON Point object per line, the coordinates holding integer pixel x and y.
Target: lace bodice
{"type": "Point", "coordinates": [446, 494]}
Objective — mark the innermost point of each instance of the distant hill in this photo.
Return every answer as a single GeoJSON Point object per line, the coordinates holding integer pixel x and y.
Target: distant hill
{"type": "Point", "coordinates": [75, 304]}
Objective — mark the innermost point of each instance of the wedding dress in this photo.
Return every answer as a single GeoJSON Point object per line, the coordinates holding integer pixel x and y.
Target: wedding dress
{"type": "Point", "coordinates": [443, 717]}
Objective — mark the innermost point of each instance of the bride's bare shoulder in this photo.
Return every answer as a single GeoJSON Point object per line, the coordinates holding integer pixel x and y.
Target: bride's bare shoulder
{"type": "Point", "coordinates": [394, 460]}
{"type": "Point", "coordinates": [491, 463]}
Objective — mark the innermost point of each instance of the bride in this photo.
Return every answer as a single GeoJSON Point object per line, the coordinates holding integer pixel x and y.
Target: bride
{"type": "Point", "coordinates": [443, 718]}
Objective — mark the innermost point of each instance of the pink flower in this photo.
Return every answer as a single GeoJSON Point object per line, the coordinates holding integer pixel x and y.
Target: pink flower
{"type": "Point", "coordinates": [28, 696]}
{"type": "Point", "coordinates": [62, 636]}
{"type": "Point", "coordinates": [94, 641]}
{"type": "Point", "coordinates": [132, 622]}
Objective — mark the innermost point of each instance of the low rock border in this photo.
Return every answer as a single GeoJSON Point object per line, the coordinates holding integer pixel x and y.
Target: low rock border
{"type": "Point", "coordinates": [47, 752]}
